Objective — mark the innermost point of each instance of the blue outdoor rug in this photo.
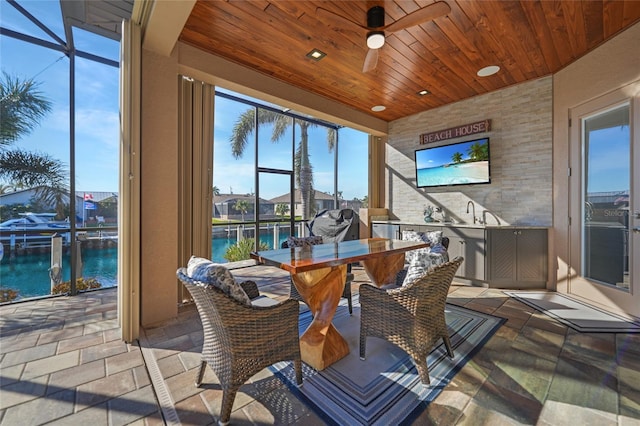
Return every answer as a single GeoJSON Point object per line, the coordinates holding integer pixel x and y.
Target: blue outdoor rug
{"type": "Point", "coordinates": [385, 388]}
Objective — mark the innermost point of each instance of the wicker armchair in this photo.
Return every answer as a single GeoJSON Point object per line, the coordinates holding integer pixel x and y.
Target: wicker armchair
{"type": "Point", "coordinates": [241, 340]}
{"type": "Point", "coordinates": [411, 317]}
{"type": "Point", "coordinates": [346, 293]}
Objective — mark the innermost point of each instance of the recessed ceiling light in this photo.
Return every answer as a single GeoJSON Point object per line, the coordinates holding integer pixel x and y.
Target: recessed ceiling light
{"type": "Point", "coordinates": [378, 108]}
{"type": "Point", "coordinates": [423, 92]}
{"type": "Point", "coordinates": [316, 54]}
{"type": "Point", "coordinates": [487, 71]}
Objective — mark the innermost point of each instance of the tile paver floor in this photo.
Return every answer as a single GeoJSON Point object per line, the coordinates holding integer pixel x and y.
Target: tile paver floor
{"type": "Point", "coordinates": [62, 362]}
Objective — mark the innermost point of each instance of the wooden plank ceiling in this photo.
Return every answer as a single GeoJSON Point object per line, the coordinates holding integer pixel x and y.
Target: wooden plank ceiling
{"type": "Point", "coordinates": [527, 39]}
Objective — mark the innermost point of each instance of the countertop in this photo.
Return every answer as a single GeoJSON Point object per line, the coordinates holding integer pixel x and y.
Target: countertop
{"type": "Point", "coordinates": [459, 225]}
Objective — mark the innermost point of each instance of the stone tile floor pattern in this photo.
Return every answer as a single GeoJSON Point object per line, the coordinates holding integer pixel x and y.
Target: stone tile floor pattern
{"type": "Point", "coordinates": [62, 362]}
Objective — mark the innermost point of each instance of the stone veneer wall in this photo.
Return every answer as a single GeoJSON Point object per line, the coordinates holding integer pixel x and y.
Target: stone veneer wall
{"type": "Point", "coordinates": [520, 192]}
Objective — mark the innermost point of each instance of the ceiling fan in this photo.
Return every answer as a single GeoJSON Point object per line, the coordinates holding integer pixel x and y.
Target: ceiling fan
{"type": "Point", "coordinates": [376, 29]}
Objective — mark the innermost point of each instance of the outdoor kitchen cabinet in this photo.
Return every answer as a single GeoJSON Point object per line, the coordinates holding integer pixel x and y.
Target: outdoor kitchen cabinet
{"type": "Point", "coordinates": [494, 256]}
{"type": "Point", "coordinates": [470, 244]}
{"type": "Point", "coordinates": [517, 258]}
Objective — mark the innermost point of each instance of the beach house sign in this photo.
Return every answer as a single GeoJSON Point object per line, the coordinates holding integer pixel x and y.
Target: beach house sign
{"type": "Point", "coordinates": [455, 132]}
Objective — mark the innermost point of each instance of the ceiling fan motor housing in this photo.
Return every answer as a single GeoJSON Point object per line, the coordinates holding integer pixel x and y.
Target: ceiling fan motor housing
{"type": "Point", "coordinates": [375, 17]}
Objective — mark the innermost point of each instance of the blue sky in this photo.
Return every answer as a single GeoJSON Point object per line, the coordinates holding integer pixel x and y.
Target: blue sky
{"type": "Point", "coordinates": [97, 120]}
{"type": "Point", "coordinates": [609, 159]}
{"type": "Point", "coordinates": [437, 156]}
{"type": "Point", "coordinates": [237, 174]}
{"type": "Point", "coordinates": [96, 95]}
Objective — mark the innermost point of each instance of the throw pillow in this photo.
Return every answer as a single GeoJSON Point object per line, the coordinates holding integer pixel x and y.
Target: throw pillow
{"type": "Point", "coordinates": [304, 241]}
{"type": "Point", "coordinates": [440, 249]}
{"type": "Point", "coordinates": [209, 273]}
{"type": "Point", "coordinates": [434, 237]}
{"type": "Point", "coordinates": [421, 263]}
{"type": "Point", "coordinates": [413, 236]}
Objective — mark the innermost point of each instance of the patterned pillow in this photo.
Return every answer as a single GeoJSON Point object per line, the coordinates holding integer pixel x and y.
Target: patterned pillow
{"type": "Point", "coordinates": [421, 263]}
{"type": "Point", "coordinates": [304, 241]}
{"type": "Point", "coordinates": [439, 249]}
{"type": "Point", "coordinates": [209, 273]}
{"type": "Point", "coordinates": [413, 236]}
{"type": "Point", "coordinates": [434, 237]}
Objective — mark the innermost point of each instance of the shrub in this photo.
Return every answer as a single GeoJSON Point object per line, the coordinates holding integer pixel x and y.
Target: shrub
{"type": "Point", "coordinates": [241, 249]}
{"type": "Point", "coordinates": [7, 294]}
{"type": "Point", "coordinates": [81, 285]}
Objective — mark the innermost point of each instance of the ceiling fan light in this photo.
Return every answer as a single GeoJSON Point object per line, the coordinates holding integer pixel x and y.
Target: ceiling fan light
{"type": "Point", "coordinates": [375, 39]}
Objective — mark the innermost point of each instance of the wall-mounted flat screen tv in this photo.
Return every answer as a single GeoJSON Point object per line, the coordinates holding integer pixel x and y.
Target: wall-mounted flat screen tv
{"type": "Point", "coordinates": [462, 163]}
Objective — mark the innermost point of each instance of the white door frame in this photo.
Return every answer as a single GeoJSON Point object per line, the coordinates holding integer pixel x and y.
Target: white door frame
{"type": "Point", "coordinates": [613, 299]}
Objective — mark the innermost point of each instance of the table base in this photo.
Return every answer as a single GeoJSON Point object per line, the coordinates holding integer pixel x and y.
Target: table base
{"type": "Point", "coordinates": [383, 271]}
{"type": "Point", "coordinates": [321, 344]}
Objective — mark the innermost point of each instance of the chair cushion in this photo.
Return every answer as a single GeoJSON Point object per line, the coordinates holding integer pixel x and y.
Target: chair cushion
{"type": "Point", "coordinates": [303, 241]}
{"type": "Point", "coordinates": [209, 273]}
{"type": "Point", "coordinates": [264, 301]}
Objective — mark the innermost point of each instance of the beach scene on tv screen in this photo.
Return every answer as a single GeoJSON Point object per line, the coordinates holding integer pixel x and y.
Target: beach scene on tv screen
{"type": "Point", "coordinates": [455, 164]}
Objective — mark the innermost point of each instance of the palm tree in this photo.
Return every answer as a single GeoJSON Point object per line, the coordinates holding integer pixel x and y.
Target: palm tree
{"type": "Point", "coordinates": [22, 106]}
{"type": "Point", "coordinates": [246, 124]}
{"type": "Point", "coordinates": [457, 157]}
{"type": "Point", "coordinates": [282, 209]}
{"type": "Point", "coordinates": [242, 206]}
{"type": "Point", "coordinates": [479, 152]}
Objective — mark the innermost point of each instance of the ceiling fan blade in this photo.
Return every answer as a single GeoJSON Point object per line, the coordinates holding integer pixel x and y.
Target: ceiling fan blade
{"type": "Point", "coordinates": [371, 60]}
{"type": "Point", "coordinates": [420, 16]}
{"type": "Point", "coordinates": [321, 11]}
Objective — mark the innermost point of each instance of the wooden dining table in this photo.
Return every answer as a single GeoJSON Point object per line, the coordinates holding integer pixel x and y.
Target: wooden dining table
{"type": "Point", "coordinates": [319, 274]}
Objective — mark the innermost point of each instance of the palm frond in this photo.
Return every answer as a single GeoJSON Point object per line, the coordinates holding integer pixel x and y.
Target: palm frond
{"type": "Point", "coordinates": [243, 127]}
{"type": "Point", "coordinates": [331, 138]}
{"type": "Point", "coordinates": [280, 126]}
{"type": "Point", "coordinates": [22, 106]}
{"type": "Point", "coordinates": [32, 169]}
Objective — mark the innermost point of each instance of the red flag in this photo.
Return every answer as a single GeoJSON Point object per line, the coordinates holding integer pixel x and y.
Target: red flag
{"type": "Point", "coordinates": [88, 196]}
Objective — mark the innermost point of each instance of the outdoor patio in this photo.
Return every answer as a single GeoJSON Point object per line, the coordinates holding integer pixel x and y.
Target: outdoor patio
{"type": "Point", "coordinates": [62, 362]}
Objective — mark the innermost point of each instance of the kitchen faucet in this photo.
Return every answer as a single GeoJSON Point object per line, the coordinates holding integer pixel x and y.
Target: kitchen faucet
{"type": "Point", "coordinates": [484, 217]}
{"type": "Point", "coordinates": [473, 206]}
